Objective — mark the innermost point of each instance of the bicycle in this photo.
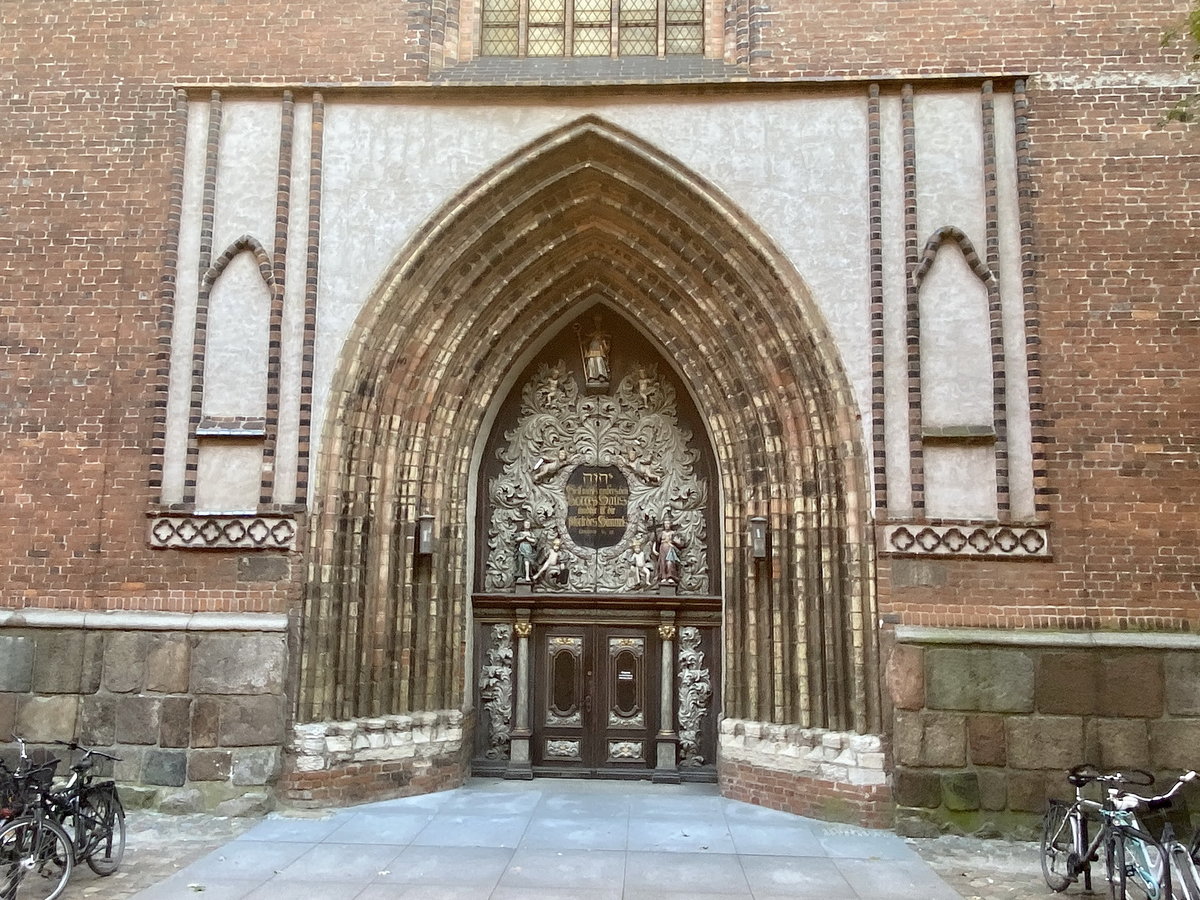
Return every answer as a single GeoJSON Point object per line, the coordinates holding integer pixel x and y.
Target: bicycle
{"type": "Point", "coordinates": [36, 854]}
{"type": "Point", "coordinates": [1066, 850]}
{"type": "Point", "coordinates": [90, 812]}
{"type": "Point", "coordinates": [1155, 869]}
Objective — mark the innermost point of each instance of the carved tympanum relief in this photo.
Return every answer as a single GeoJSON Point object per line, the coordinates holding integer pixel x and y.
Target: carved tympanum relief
{"type": "Point", "coordinates": [598, 492]}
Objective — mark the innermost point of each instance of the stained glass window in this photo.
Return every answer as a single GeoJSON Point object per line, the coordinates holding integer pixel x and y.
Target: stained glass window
{"type": "Point", "coordinates": [685, 26]}
{"type": "Point", "coordinates": [639, 28]}
{"type": "Point", "coordinates": [557, 28]}
{"type": "Point", "coordinates": [547, 27]}
{"type": "Point", "coordinates": [501, 24]}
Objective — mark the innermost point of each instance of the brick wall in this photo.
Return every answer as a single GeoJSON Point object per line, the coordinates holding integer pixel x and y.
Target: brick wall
{"type": "Point", "coordinates": [86, 169]}
{"type": "Point", "coordinates": [814, 772]}
{"type": "Point", "coordinates": [340, 763]}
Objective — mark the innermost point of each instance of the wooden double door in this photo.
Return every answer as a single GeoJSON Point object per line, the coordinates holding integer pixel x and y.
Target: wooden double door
{"type": "Point", "coordinates": [596, 699]}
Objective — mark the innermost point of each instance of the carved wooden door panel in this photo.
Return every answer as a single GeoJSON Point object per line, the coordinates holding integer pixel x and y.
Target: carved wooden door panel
{"type": "Point", "coordinates": [595, 699]}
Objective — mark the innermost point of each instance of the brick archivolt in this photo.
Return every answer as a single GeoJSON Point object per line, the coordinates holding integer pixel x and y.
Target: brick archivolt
{"type": "Point", "coordinates": [589, 213]}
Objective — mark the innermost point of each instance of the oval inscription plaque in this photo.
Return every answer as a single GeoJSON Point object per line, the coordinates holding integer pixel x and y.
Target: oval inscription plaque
{"type": "Point", "coordinates": [597, 503]}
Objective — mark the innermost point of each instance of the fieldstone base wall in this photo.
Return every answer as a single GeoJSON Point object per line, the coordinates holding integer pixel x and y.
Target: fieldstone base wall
{"type": "Point", "coordinates": [336, 763]}
{"type": "Point", "coordinates": [986, 724]}
{"type": "Point", "coordinates": [829, 775]}
{"type": "Point", "coordinates": [193, 704]}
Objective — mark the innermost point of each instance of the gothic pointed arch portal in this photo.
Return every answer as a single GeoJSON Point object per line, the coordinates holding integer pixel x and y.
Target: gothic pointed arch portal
{"type": "Point", "coordinates": [589, 212]}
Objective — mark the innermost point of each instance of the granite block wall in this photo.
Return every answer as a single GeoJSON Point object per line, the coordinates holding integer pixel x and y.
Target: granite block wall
{"type": "Point", "coordinates": [197, 717]}
{"type": "Point", "coordinates": [984, 734]}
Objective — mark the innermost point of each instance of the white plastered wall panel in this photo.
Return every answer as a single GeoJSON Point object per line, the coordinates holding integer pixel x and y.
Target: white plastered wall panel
{"type": "Point", "coordinates": [795, 166]}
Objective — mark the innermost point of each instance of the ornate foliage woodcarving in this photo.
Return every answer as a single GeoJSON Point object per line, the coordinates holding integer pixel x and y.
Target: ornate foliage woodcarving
{"type": "Point", "coordinates": [650, 510]}
{"type": "Point", "coordinates": [624, 750]}
{"type": "Point", "coordinates": [695, 691]}
{"type": "Point", "coordinates": [562, 749]}
{"type": "Point", "coordinates": [496, 691]}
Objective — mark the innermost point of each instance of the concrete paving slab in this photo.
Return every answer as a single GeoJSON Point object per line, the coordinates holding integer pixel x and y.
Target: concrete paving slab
{"type": "Point", "coordinates": [795, 838]}
{"type": "Point", "coordinates": [342, 863]}
{"type": "Point", "coordinates": [552, 838]}
{"type": "Point", "coordinates": [720, 873]}
{"type": "Point", "coordinates": [798, 877]}
{"type": "Point", "coordinates": [576, 833]}
{"type": "Point", "coordinates": [680, 834]}
{"type": "Point", "coordinates": [598, 870]}
{"type": "Point", "coordinates": [378, 829]}
{"type": "Point", "coordinates": [480, 867]}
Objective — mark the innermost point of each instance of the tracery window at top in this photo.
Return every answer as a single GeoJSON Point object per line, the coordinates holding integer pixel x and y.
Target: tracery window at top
{"type": "Point", "coordinates": [593, 28]}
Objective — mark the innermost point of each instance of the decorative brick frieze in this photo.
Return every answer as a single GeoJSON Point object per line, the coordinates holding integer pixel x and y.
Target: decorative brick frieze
{"type": "Point", "coordinates": [967, 541]}
{"type": "Point", "coordinates": [223, 532]}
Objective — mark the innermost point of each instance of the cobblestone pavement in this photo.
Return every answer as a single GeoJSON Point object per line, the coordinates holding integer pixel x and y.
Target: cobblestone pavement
{"type": "Point", "coordinates": [159, 845]}
{"type": "Point", "coordinates": [986, 869]}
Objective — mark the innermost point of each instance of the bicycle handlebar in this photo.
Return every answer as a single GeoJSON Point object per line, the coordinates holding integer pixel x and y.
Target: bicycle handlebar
{"type": "Point", "coordinates": [1086, 773]}
{"type": "Point", "coordinates": [87, 751]}
{"type": "Point", "coordinates": [1127, 800]}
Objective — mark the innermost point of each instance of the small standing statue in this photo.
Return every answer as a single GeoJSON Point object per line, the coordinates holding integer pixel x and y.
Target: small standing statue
{"type": "Point", "coordinates": [670, 542]}
{"type": "Point", "coordinates": [640, 567]}
{"type": "Point", "coordinates": [526, 553]}
{"type": "Point", "coordinates": [554, 566]}
{"type": "Point", "coordinates": [595, 354]}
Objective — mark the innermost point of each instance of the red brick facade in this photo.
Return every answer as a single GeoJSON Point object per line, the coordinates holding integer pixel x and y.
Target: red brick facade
{"type": "Point", "coordinates": [868, 806]}
{"type": "Point", "coordinates": [91, 154]}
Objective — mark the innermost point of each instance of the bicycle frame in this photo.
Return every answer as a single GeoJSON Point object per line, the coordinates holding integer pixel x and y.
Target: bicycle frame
{"type": "Point", "coordinates": [1146, 858]}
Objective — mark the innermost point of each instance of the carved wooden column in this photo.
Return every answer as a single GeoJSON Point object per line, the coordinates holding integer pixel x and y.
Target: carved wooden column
{"type": "Point", "coordinates": [519, 761]}
{"type": "Point", "coordinates": [666, 769]}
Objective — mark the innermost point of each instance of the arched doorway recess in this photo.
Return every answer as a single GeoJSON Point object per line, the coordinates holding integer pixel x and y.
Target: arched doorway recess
{"type": "Point", "coordinates": [589, 211]}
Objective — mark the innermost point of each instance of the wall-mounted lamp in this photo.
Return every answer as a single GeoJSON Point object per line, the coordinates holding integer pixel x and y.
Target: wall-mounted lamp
{"type": "Point", "coordinates": [758, 537]}
{"type": "Point", "coordinates": [424, 535]}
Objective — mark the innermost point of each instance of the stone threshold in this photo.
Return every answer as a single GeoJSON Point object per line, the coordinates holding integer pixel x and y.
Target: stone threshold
{"type": "Point", "coordinates": [923, 634]}
{"type": "Point", "coordinates": [135, 620]}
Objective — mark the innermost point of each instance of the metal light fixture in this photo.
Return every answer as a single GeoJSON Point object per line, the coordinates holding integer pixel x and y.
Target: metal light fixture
{"type": "Point", "coordinates": [758, 537]}
{"type": "Point", "coordinates": [424, 535]}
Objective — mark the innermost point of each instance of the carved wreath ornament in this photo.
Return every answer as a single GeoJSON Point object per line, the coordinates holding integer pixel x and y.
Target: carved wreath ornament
{"type": "Point", "coordinates": [640, 523]}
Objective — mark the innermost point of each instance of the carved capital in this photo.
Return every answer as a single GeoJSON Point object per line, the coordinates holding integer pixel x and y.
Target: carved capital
{"type": "Point", "coordinates": [524, 629]}
{"type": "Point", "coordinates": [666, 632]}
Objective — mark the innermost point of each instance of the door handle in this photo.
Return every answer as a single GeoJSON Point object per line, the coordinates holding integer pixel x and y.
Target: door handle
{"type": "Point", "coordinates": [587, 703]}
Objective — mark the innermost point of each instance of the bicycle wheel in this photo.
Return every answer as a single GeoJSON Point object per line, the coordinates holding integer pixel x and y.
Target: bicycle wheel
{"type": "Point", "coordinates": [36, 860]}
{"type": "Point", "coordinates": [1130, 866]}
{"type": "Point", "coordinates": [1185, 883]}
{"type": "Point", "coordinates": [1057, 847]}
{"type": "Point", "coordinates": [104, 821]}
